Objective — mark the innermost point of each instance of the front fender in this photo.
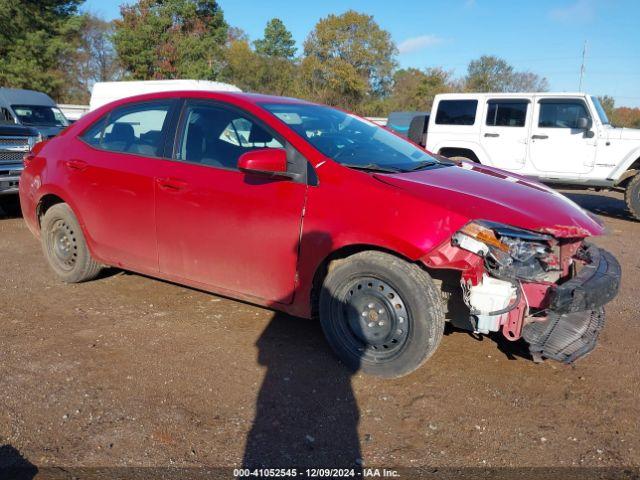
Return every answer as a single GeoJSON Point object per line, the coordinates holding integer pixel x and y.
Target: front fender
{"type": "Point", "coordinates": [618, 172]}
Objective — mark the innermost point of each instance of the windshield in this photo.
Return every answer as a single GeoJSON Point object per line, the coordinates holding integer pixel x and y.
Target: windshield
{"type": "Point", "coordinates": [349, 140]}
{"type": "Point", "coordinates": [40, 115]}
{"type": "Point", "coordinates": [601, 113]}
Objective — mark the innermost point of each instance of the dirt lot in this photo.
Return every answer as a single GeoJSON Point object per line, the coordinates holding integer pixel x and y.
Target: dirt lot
{"type": "Point", "coordinates": [128, 370]}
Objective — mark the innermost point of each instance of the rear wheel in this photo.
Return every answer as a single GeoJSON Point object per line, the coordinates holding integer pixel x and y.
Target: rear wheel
{"type": "Point", "coordinates": [65, 247]}
{"type": "Point", "coordinates": [381, 314]}
{"type": "Point", "coordinates": [632, 196]}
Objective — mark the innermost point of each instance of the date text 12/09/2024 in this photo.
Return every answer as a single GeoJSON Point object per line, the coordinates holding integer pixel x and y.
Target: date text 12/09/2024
{"type": "Point", "coordinates": [316, 473]}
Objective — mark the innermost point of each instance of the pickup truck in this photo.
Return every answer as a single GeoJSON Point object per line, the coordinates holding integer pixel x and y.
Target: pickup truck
{"type": "Point", "coordinates": [15, 142]}
{"type": "Point", "coordinates": [562, 139]}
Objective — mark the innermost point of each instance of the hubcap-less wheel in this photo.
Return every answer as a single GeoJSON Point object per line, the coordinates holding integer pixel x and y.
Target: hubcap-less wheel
{"type": "Point", "coordinates": [380, 314]}
{"type": "Point", "coordinates": [377, 321]}
{"type": "Point", "coordinates": [64, 245]}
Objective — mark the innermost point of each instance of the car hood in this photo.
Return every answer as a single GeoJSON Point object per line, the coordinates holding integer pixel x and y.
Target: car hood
{"type": "Point", "coordinates": [48, 132]}
{"type": "Point", "coordinates": [12, 129]}
{"type": "Point", "coordinates": [482, 193]}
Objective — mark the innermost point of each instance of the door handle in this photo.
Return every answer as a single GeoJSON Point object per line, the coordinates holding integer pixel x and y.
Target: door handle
{"type": "Point", "coordinates": [76, 164]}
{"type": "Point", "coordinates": [491, 134]}
{"type": "Point", "coordinates": [540, 137]}
{"type": "Point", "coordinates": [172, 184]}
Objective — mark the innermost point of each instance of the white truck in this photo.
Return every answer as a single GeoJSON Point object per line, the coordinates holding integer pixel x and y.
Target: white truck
{"type": "Point", "coordinates": [563, 139]}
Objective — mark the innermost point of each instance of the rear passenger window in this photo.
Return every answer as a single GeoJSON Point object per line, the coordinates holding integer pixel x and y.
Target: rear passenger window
{"type": "Point", "coordinates": [217, 136]}
{"type": "Point", "coordinates": [133, 129]}
{"type": "Point", "coordinates": [457, 112]}
{"type": "Point", "coordinates": [507, 113]}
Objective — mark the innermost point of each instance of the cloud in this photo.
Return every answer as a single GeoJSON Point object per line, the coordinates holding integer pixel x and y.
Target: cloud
{"type": "Point", "coordinates": [469, 3]}
{"type": "Point", "coordinates": [579, 11]}
{"type": "Point", "coordinates": [418, 43]}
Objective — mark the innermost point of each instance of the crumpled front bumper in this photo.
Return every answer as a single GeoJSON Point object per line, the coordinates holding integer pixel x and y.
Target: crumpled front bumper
{"type": "Point", "coordinates": [576, 311]}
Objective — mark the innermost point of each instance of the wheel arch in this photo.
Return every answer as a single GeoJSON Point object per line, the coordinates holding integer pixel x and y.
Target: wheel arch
{"type": "Point", "coordinates": [338, 255]}
{"type": "Point", "coordinates": [45, 203]}
{"type": "Point", "coordinates": [459, 151]}
{"type": "Point", "coordinates": [629, 173]}
{"type": "Point", "coordinates": [626, 168]}
{"type": "Point", "coordinates": [53, 196]}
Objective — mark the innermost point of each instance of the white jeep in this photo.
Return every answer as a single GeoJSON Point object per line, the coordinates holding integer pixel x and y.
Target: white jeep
{"type": "Point", "coordinates": [559, 138]}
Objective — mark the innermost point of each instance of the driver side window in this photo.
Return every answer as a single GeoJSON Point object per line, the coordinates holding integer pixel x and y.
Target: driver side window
{"type": "Point", "coordinates": [217, 136]}
{"type": "Point", "coordinates": [561, 114]}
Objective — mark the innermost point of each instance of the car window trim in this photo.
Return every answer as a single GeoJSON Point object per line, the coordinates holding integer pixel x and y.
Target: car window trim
{"type": "Point", "coordinates": [495, 101]}
{"type": "Point", "coordinates": [164, 133]}
{"type": "Point", "coordinates": [293, 154]}
{"type": "Point", "coordinates": [581, 101]}
{"type": "Point", "coordinates": [469, 100]}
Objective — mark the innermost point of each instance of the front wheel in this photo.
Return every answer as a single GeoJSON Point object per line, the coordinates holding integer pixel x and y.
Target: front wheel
{"type": "Point", "coordinates": [632, 196]}
{"type": "Point", "coordinates": [381, 314]}
{"type": "Point", "coordinates": [65, 247]}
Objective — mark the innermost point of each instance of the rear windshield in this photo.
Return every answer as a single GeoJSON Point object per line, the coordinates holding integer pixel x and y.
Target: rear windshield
{"type": "Point", "coordinates": [40, 115]}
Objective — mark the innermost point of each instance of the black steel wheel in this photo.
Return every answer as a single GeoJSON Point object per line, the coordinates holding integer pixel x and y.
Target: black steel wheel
{"type": "Point", "coordinates": [381, 314]}
{"type": "Point", "coordinates": [376, 319]}
{"type": "Point", "coordinates": [64, 245]}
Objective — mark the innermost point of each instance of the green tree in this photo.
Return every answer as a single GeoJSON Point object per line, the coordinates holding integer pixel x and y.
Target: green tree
{"type": "Point", "coordinates": [171, 39]}
{"type": "Point", "coordinates": [349, 61]}
{"type": "Point", "coordinates": [414, 89]}
{"type": "Point", "coordinates": [35, 39]}
{"type": "Point", "coordinates": [609, 105]}
{"type": "Point", "coordinates": [277, 42]}
{"type": "Point", "coordinates": [257, 73]}
{"type": "Point", "coordinates": [493, 74]}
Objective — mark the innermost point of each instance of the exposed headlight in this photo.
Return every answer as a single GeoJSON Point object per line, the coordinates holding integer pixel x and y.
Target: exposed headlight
{"type": "Point", "coordinates": [510, 252]}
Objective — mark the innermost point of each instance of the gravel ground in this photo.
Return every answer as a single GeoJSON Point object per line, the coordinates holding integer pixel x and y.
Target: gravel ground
{"type": "Point", "coordinates": [127, 370]}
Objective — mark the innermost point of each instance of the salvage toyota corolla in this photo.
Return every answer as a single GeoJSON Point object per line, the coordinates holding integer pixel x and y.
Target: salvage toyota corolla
{"type": "Point", "coordinates": [316, 212]}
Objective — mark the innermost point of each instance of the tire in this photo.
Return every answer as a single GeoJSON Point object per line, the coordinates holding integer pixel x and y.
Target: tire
{"type": "Point", "coordinates": [381, 314]}
{"type": "Point", "coordinates": [632, 196]}
{"type": "Point", "coordinates": [64, 246]}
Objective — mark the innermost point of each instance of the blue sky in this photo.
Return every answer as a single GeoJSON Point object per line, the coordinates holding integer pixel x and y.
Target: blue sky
{"type": "Point", "coordinates": [544, 36]}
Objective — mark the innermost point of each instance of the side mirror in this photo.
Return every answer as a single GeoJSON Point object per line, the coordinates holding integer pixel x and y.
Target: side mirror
{"type": "Point", "coordinates": [584, 123]}
{"type": "Point", "coordinates": [267, 161]}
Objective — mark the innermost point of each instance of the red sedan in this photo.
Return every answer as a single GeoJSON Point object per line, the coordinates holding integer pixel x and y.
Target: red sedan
{"type": "Point", "coordinates": [316, 212]}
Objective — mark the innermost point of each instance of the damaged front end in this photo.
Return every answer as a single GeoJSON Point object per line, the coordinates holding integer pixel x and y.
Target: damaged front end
{"type": "Point", "coordinates": [548, 288]}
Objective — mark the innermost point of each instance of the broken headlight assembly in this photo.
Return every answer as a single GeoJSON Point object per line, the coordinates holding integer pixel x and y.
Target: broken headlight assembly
{"type": "Point", "coordinates": [511, 253]}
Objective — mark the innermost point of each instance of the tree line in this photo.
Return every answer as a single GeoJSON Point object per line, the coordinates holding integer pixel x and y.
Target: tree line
{"type": "Point", "coordinates": [347, 60]}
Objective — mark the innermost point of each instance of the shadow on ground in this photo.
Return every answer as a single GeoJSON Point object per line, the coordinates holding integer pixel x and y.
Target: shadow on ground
{"type": "Point", "coordinates": [511, 350]}
{"type": "Point", "coordinates": [9, 207]}
{"type": "Point", "coordinates": [14, 466]}
{"type": "Point", "coordinates": [306, 413]}
{"type": "Point", "coordinates": [605, 205]}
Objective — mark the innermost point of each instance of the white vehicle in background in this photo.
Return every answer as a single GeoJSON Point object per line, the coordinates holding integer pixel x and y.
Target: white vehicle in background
{"type": "Point", "coordinates": [563, 139]}
{"type": "Point", "coordinates": [73, 112]}
{"type": "Point", "coordinates": [107, 92]}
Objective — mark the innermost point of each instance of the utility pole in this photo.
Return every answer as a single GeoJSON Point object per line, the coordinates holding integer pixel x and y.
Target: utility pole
{"type": "Point", "coordinates": [584, 54]}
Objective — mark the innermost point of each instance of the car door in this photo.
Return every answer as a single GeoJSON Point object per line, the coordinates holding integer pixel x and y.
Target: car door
{"type": "Point", "coordinates": [504, 132]}
{"type": "Point", "coordinates": [558, 146]}
{"type": "Point", "coordinates": [111, 179]}
{"type": "Point", "coordinates": [223, 228]}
